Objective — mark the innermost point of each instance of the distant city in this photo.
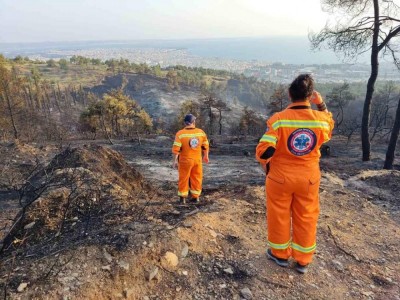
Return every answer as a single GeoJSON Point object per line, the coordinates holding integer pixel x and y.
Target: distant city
{"type": "Point", "coordinates": [252, 57]}
{"type": "Point", "coordinates": [334, 73]}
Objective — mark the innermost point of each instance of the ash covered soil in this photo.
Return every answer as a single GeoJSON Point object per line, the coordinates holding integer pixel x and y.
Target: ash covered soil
{"type": "Point", "coordinates": [108, 226]}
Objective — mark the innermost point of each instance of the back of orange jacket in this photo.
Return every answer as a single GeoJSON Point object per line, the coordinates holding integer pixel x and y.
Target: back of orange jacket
{"type": "Point", "coordinates": [189, 143]}
{"type": "Point", "coordinates": [296, 133]}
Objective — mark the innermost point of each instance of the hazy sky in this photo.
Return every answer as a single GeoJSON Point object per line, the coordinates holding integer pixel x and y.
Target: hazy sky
{"type": "Point", "coordinates": [73, 20]}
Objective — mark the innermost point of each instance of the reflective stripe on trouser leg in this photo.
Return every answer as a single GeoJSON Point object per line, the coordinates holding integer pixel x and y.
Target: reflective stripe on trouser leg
{"type": "Point", "coordinates": [195, 193]}
{"type": "Point", "coordinates": [184, 167]}
{"type": "Point", "coordinates": [279, 201]}
{"type": "Point", "coordinates": [196, 179]}
{"type": "Point", "coordinates": [279, 246]}
{"type": "Point", "coordinates": [305, 212]}
{"type": "Point", "coordinates": [299, 248]}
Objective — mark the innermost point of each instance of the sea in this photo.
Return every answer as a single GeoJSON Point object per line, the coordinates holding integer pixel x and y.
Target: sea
{"type": "Point", "coordinates": [283, 49]}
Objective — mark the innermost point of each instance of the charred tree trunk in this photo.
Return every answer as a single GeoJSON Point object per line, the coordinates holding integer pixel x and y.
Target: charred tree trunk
{"type": "Point", "coordinates": [220, 122]}
{"type": "Point", "coordinates": [33, 98]}
{"type": "Point", "coordinates": [82, 95]}
{"type": "Point", "coordinates": [393, 141]}
{"type": "Point", "coordinates": [366, 144]}
{"type": "Point", "coordinates": [60, 95]}
{"type": "Point", "coordinates": [28, 93]}
{"type": "Point", "coordinates": [11, 114]}
{"type": "Point", "coordinates": [103, 124]}
{"type": "Point", "coordinates": [138, 137]}
{"type": "Point", "coordinates": [211, 120]}
{"type": "Point", "coordinates": [75, 96]}
{"type": "Point", "coordinates": [38, 94]}
{"type": "Point", "coordinates": [47, 100]}
{"type": "Point", "coordinates": [56, 100]}
{"type": "Point", "coordinates": [339, 122]}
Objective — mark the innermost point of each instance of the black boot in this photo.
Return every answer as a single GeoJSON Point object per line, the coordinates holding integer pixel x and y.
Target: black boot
{"type": "Point", "coordinates": [302, 269]}
{"type": "Point", "coordinates": [195, 200]}
{"type": "Point", "coordinates": [279, 261]}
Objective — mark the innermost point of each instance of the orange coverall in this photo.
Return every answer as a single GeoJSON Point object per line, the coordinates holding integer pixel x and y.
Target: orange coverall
{"type": "Point", "coordinates": [292, 183]}
{"type": "Point", "coordinates": [189, 144]}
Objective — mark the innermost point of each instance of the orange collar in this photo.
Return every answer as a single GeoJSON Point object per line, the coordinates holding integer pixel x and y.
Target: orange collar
{"type": "Point", "coordinates": [302, 103]}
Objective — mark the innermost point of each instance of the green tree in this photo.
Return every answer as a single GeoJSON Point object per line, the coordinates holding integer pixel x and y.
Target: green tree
{"type": "Point", "coordinates": [3, 60]}
{"type": "Point", "coordinates": [95, 61]}
{"type": "Point", "coordinates": [63, 63]}
{"type": "Point", "coordinates": [143, 121]}
{"type": "Point", "coordinates": [116, 114]}
{"type": "Point", "coordinates": [112, 65]}
{"type": "Point", "coordinates": [19, 59]}
{"type": "Point", "coordinates": [93, 118]}
{"type": "Point", "coordinates": [172, 80]}
{"type": "Point", "coordinates": [157, 71]}
{"type": "Point", "coordinates": [73, 59]}
{"type": "Point", "coordinates": [51, 63]}
{"type": "Point", "coordinates": [117, 106]}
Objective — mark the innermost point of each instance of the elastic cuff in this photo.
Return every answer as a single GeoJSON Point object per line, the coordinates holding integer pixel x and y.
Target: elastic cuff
{"type": "Point", "coordinates": [321, 106]}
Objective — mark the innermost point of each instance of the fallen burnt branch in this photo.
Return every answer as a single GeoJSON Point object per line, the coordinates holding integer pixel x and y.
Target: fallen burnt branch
{"type": "Point", "coordinates": [341, 248]}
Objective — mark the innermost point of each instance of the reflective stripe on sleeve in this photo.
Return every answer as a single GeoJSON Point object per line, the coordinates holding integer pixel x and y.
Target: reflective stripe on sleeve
{"type": "Point", "coordinates": [269, 139]}
{"type": "Point", "coordinates": [178, 144]}
{"type": "Point", "coordinates": [304, 249]}
{"type": "Point", "coordinates": [279, 246]}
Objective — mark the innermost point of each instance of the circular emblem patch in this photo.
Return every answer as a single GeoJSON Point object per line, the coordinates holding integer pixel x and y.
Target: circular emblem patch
{"type": "Point", "coordinates": [302, 141]}
{"type": "Point", "coordinates": [193, 143]}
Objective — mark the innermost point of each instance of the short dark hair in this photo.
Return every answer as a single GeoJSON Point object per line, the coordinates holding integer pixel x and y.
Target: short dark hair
{"type": "Point", "coordinates": [189, 119]}
{"type": "Point", "coordinates": [302, 87]}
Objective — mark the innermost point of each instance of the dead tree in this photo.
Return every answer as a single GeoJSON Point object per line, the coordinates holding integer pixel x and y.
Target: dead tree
{"type": "Point", "coordinates": [381, 110]}
{"type": "Point", "coordinates": [350, 126]}
{"type": "Point", "coordinates": [393, 140]}
{"type": "Point", "coordinates": [208, 102]}
{"type": "Point", "coordinates": [338, 99]}
{"type": "Point", "coordinates": [221, 106]}
{"type": "Point", "coordinates": [278, 99]}
{"type": "Point", "coordinates": [365, 26]}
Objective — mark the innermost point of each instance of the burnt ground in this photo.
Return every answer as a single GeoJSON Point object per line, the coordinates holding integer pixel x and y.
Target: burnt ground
{"type": "Point", "coordinates": [220, 243]}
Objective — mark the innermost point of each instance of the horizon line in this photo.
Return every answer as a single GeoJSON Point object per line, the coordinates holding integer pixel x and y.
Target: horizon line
{"type": "Point", "coordinates": [155, 39]}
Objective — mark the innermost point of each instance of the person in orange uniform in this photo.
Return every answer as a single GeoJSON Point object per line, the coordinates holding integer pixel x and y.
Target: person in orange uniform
{"type": "Point", "coordinates": [289, 154]}
{"type": "Point", "coordinates": [190, 142]}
